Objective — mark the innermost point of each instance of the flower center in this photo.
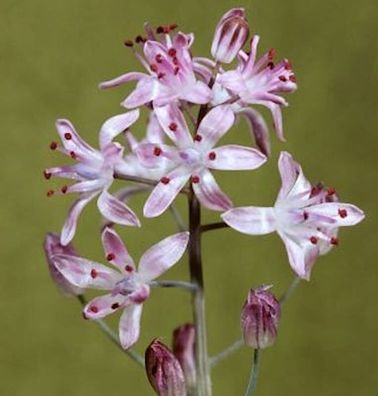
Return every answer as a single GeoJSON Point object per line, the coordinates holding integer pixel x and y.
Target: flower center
{"type": "Point", "coordinates": [190, 156]}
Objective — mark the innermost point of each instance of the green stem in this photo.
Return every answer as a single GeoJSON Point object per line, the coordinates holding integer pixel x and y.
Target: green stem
{"type": "Point", "coordinates": [178, 284]}
{"type": "Point", "coordinates": [254, 373]}
{"type": "Point", "coordinates": [290, 290]}
{"type": "Point", "coordinates": [227, 352]}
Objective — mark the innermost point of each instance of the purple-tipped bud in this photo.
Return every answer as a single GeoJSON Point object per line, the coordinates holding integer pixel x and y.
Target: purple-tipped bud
{"type": "Point", "coordinates": [259, 318]}
{"type": "Point", "coordinates": [183, 348]}
{"type": "Point", "coordinates": [164, 371]}
{"type": "Point", "coordinates": [231, 34]}
{"type": "Point", "coordinates": [52, 246]}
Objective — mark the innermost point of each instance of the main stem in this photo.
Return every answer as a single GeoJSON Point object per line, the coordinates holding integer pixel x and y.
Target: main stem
{"type": "Point", "coordinates": [195, 263]}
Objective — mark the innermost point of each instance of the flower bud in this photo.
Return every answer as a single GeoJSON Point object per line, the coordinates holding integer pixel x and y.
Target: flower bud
{"type": "Point", "coordinates": [164, 371]}
{"type": "Point", "coordinates": [231, 34]}
{"type": "Point", "coordinates": [183, 349]}
{"type": "Point", "coordinates": [259, 318]}
{"type": "Point", "coordinates": [52, 246]}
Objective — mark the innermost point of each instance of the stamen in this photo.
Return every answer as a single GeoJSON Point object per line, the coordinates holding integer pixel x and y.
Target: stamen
{"type": "Point", "coordinates": [94, 273]}
{"type": "Point", "coordinates": [165, 180]}
{"type": "Point", "coordinates": [159, 58]}
{"type": "Point", "coordinates": [64, 189]}
{"type": "Point", "coordinates": [166, 29]}
{"type": "Point", "coordinates": [157, 151]}
{"type": "Point", "coordinates": [68, 136]}
{"type": "Point", "coordinates": [331, 191]}
{"type": "Point", "coordinates": [172, 52]}
{"type": "Point", "coordinates": [73, 155]}
{"type": "Point", "coordinates": [288, 65]}
{"type": "Point", "coordinates": [173, 26]}
{"type": "Point", "coordinates": [161, 75]}
{"type": "Point", "coordinates": [129, 268]}
{"type": "Point", "coordinates": [212, 156]}
{"type": "Point", "coordinates": [197, 138]}
{"type": "Point", "coordinates": [334, 241]}
{"type": "Point", "coordinates": [271, 54]}
{"type": "Point", "coordinates": [46, 174]}
{"type": "Point", "coordinates": [50, 193]}
{"type": "Point", "coordinates": [128, 43]}
{"type": "Point", "coordinates": [159, 29]}
{"type": "Point", "coordinates": [110, 256]}
{"type": "Point", "coordinates": [173, 126]}
{"type": "Point", "coordinates": [154, 68]}
{"type": "Point", "coordinates": [314, 240]}
{"type": "Point", "coordinates": [343, 213]}
{"type": "Point", "coordinates": [93, 308]}
{"type": "Point", "coordinates": [53, 145]}
{"type": "Point", "coordinates": [305, 215]}
{"type": "Point", "coordinates": [139, 39]}
{"type": "Point", "coordinates": [292, 78]}
{"type": "Point", "coordinates": [115, 306]}
{"type": "Point", "coordinates": [270, 65]}
{"type": "Point", "coordinates": [195, 179]}
{"type": "Point", "coordinates": [177, 69]}
{"type": "Point", "coordinates": [175, 61]}
{"type": "Point", "coordinates": [282, 78]}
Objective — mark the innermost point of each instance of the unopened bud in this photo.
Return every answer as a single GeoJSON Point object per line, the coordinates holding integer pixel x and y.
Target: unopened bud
{"type": "Point", "coordinates": [231, 34]}
{"type": "Point", "coordinates": [164, 371]}
{"type": "Point", "coordinates": [183, 348]}
{"type": "Point", "coordinates": [259, 318]}
{"type": "Point", "coordinates": [52, 247]}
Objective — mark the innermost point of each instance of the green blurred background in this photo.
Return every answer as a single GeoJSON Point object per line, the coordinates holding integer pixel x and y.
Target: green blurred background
{"type": "Point", "coordinates": [52, 55]}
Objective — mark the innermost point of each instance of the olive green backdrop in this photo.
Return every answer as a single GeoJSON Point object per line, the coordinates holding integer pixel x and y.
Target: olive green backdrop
{"type": "Point", "coordinates": [53, 54]}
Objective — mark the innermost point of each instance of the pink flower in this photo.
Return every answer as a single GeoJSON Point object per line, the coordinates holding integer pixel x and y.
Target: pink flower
{"type": "Point", "coordinates": [303, 217]}
{"type": "Point", "coordinates": [192, 158]}
{"type": "Point", "coordinates": [170, 75]}
{"type": "Point", "coordinates": [129, 288]}
{"type": "Point", "coordinates": [231, 34]}
{"type": "Point", "coordinates": [261, 82]}
{"type": "Point", "coordinates": [93, 172]}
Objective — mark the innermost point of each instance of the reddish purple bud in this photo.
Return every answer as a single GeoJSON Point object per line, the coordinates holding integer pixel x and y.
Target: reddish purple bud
{"type": "Point", "coordinates": [183, 348]}
{"type": "Point", "coordinates": [164, 371]}
{"type": "Point", "coordinates": [231, 34]}
{"type": "Point", "coordinates": [259, 318]}
{"type": "Point", "coordinates": [52, 247]}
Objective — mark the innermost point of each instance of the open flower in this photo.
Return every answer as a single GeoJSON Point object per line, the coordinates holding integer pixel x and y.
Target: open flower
{"type": "Point", "coordinates": [192, 158]}
{"type": "Point", "coordinates": [260, 82]}
{"type": "Point", "coordinates": [128, 287]}
{"type": "Point", "coordinates": [170, 75]}
{"type": "Point", "coordinates": [93, 172]}
{"type": "Point", "coordinates": [303, 217]}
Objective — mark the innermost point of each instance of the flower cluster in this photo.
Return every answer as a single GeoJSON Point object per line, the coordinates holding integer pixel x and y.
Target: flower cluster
{"type": "Point", "coordinates": [179, 154]}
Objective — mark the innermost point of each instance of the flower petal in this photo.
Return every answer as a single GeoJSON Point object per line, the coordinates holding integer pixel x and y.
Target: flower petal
{"type": "Point", "coordinates": [155, 133]}
{"type": "Point", "coordinates": [115, 125]}
{"type": "Point", "coordinates": [69, 227]}
{"type": "Point", "coordinates": [115, 210]}
{"type": "Point", "coordinates": [199, 93]}
{"type": "Point", "coordinates": [150, 158]}
{"type": "Point", "coordinates": [277, 119]}
{"type": "Point", "coordinates": [251, 220]}
{"type": "Point", "coordinates": [145, 91]}
{"type": "Point", "coordinates": [103, 306]}
{"type": "Point", "coordinates": [209, 193]}
{"type": "Point", "coordinates": [340, 214]}
{"type": "Point", "coordinates": [173, 122]}
{"type": "Point", "coordinates": [124, 78]}
{"type": "Point", "coordinates": [85, 273]}
{"type": "Point", "coordinates": [164, 193]}
{"type": "Point", "coordinates": [129, 325]}
{"type": "Point", "coordinates": [214, 125]}
{"type": "Point", "coordinates": [162, 256]}
{"type": "Point", "coordinates": [115, 250]}
{"type": "Point", "coordinates": [234, 157]}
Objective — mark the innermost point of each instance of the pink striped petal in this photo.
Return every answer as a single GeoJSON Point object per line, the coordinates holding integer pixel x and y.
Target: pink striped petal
{"type": "Point", "coordinates": [85, 273]}
{"type": "Point", "coordinates": [251, 220]}
{"type": "Point", "coordinates": [115, 250]}
{"type": "Point", "coordinates": [277, 118]}
{"type": "Point", "coordinates": [162, 256]}
{"type": "Point", "coordinates": [103, 306]}
{"type": "Point", "coordinates": [86, 186]}
{"type": "Point", "coordinates": [340, 214]}
{"type": "Point", "coordinates": [69, 227]}
{"type": "Point", "coordinates": [115, 82]}
{"type": "Point", "coordinates": [164, 193]}
{"type": "Point", "coordinates": [145, 91]}
{"type": "Point", "coordinates": [234, 157]}
{"type": "Point", "coordinates": [199, 93]}
{"type": "Point", "coordinates": [174, 125]}
{"type": "Point", "coordinates": [155, 155]}
{"type": "Point", "coordinates": [214, 125]}
{"type": "Point", "coordinates": [115, 210]}
{"type": "Point", "coordinates": [209, 193]}
{"type": "Point", "coordinates": [232, 80]}
{"type": "Point", "coordinates": [129, 325]}
{"type": "Point", "coordinates": [115, 125]}
{"type": "Point", "coordinates": [155, 133]}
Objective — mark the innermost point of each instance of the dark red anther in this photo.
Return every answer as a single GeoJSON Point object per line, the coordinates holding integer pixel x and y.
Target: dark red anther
{"type": "Point", "coordinates": [165, 180]}
{"type": "Point", "coordinates": [129, 268]}
{"type": "Point", "coordinates": [343, 213]}
{"type": "Point", "coordinates": [110, 256]}
{"type": "Point", "coordinates": [128, 43]}
{"type": "Point", "coordinates": [172, 52]}
{"type": "Point", "coordinates": [64, 189]}
{"type": "Point", "coordinates": [175, 61]}
{"type": "Point", "coordinates": [282, 78]}
{"type": "Point", "coordinates": [314, 240]}
{"type": "Point", "coordinates": [73, 155]}
{"type": "Point", "coordinates": [177, 69]}
{"type": "Point", "coordinates": [334, 241]}
{"type": "Point", "coordinates": [94, 273]}
{"type": "Point", "coordinates": [331, 191]}
{"type": "Point", "coordinates": [115, 306]}
{"type": "Point", "coordinates": [157, 151]}
{"type": "Point", "coordinates": [161, 75]}
{"type": "Point", "coordinates": [195, 179]}
{"type": "Point", "coordinates": [159, 58]}
{"type": "Point", "coordinates": [212, 156]}
{"type": "Point", "coordinates": [46, 174]}
{"type": "Point", "coordinates": [292, 78]}
{"type": "Point", "coordinates": [271, 54]}
{"type": "Point", "coordinates": [173, 126]}
{"type": "Point", "coordinates": [166, 29]}
{"type": "Point", "coordinates": [288, 65]}
{"type": "Point", "coordinates": [50, 193]}
{"type": "Point", "coordinates": [173, 26]}
{"type": "Point", "coordinates": [53, 145]}
{"type": "Point", "coordinates": [139, 39]}
{"type": "Point", "coordinates": [270, 65]}
{"type": "Point", "coordinates": [68, 136]}
{"type": "Point", "coordinates": [305, 215]}
{"type": "Point", "coordinates": [154, 68]}
{"type": "Point", "coordinates": [159, 29]}
{"type": "Point", "coordinates": [197, 138]}
{"type": "Point", "coordinates": [93, 308]}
